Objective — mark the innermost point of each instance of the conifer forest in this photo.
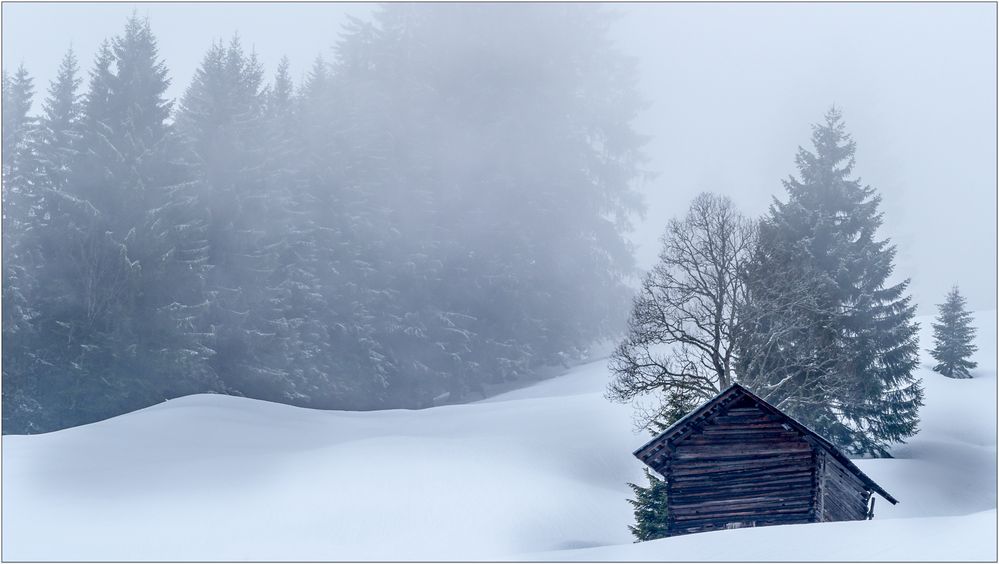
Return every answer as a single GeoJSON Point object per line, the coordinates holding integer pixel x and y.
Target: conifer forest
{"type": "Point", "coordinates": [354, 240]}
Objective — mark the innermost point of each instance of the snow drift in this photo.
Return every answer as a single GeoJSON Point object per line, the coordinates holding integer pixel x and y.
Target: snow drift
{"type": "Point", "coordinates": [539, 473]}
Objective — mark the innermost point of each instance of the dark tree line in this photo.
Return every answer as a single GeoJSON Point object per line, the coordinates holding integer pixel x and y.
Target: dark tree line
{"type": "Point", "coordinates": [433, 209]}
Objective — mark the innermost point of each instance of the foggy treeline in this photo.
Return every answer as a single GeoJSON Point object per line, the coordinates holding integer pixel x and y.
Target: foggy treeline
{"type": "Point", "coordinates": [438, 206]}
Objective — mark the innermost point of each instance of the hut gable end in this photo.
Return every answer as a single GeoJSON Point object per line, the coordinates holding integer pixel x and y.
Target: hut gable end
{"type": "Point", "coordinates": [739, 467]}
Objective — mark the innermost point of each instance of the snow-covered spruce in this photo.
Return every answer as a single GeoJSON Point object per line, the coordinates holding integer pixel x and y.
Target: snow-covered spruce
{"type": "Point", "coordinates": [953, 338]}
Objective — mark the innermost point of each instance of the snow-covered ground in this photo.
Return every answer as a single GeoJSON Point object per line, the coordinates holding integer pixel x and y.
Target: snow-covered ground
{"type": "Point", "coordinates": [538, 473]}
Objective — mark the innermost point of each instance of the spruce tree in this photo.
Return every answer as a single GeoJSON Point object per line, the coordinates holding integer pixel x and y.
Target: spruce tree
{"type": "Point", "coordinates": [18, 93]}
{"type": "Point", "coordinates": [338, 282]}
{"type": "Point", "coordinates": [161, 223]}
{"type": "Point", "coordinates": [19, 130]}
{"type": "Point", "coordinates": [280, 94]}
{"type": "Point", "coordinates": [59, 130]}
{"type": "Point", "coordinates": [19, 195]}
{"type": "Point", "coordinates": [56, 149]}
{"type": "Point", "coordinates": [121, 324]}
{"type": "Point", "coordinates": [239, 148]}
{"type": "Point", "coordinates": [953, 337]}
{"type": "Point", "coordinates": [830, 340]}
{"type": "Point", "coordinates": [97, 101]}
{"type": "Point", "coordinates": [650, 509]}
{"type": "Point", "coordinates": [20, 216]}
{"type": "Point", "coordinates": [36, 360]}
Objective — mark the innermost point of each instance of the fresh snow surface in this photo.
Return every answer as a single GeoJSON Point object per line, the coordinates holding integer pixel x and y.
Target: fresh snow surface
{"type": "Point", "coordinates": [539, 473]}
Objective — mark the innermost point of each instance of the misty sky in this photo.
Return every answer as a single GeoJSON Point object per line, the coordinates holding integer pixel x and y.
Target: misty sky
{"type": "Point", "coordinates": [733, 89]}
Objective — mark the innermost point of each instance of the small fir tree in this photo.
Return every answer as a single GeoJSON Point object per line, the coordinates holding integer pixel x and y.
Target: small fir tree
{"type": "Point", "coordinates": [650, 502]}
{"type": "Point", "coordinates": [953, 338]}
{"type": "Point", "coordinates": [650, 509]}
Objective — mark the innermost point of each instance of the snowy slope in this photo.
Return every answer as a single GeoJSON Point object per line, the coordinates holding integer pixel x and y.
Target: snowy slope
{"type": "Point", "coordinates": [537, 473]}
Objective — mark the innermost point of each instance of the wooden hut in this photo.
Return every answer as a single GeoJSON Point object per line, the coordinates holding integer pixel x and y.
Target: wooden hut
{"type": "Point", "coordinates": [738, 461]}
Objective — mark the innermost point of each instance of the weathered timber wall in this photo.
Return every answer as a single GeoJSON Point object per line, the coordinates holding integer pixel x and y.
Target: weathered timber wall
{"type": "Point", "coordinates": [845, 497]}
{"type": "Point", "coordinates": [740, 468]}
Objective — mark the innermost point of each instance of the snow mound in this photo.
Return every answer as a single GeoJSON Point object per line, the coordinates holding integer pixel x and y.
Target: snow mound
{"type": "Point", "coordinates": [538, 473]}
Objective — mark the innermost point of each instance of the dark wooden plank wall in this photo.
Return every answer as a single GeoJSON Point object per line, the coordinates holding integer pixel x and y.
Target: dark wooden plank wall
{"type": "Point", "coordinates": [741, 467]}
{"type": "Point", "coordinates": [845, 497]}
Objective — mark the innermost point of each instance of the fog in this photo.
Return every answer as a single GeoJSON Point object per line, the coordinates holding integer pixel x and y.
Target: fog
{"type": "Point", "coordinates": [735, 87]}
{"type": "Point", "coordinates": [426, 203]}
{"type": "Point", "coordinates": [732, 91]}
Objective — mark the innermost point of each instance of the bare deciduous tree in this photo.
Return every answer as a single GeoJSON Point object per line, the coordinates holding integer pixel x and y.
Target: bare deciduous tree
{"type": "Point", "coordinates": [684, 322]}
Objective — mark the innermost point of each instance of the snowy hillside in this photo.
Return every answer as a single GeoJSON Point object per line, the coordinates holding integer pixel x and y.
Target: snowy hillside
{"type": "Point", "coordinates": [538, 473]}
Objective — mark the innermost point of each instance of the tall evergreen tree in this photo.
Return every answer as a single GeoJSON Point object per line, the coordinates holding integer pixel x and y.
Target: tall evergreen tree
{"type": "Point", "coordinates": [20, 213]}
{"type": "Point", "coordinates": [119, 326]}
{"type": "Point", "coordinates": [55, 149]}
{"type": "Point", "coordinates": [18, 177]}
{"type": "Point", "coordinates": [298, 355]}
{"type": "Point", "coordinates": [161, 224]}
{"type": "Point", "coordinates": [18, 162]}
{"type": "Point", "coordinates": [831, 341]}
{"type": "Point", "coordinates": [83, 270]}
{"type": "Point", "coordinates": [954, 337]}
{"type": "Point", "coordinates": [337, 282]}
{"type": "Point", "coordinates": [221, 122]}
{"type": "Point", "coordinates": [34, 359]}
